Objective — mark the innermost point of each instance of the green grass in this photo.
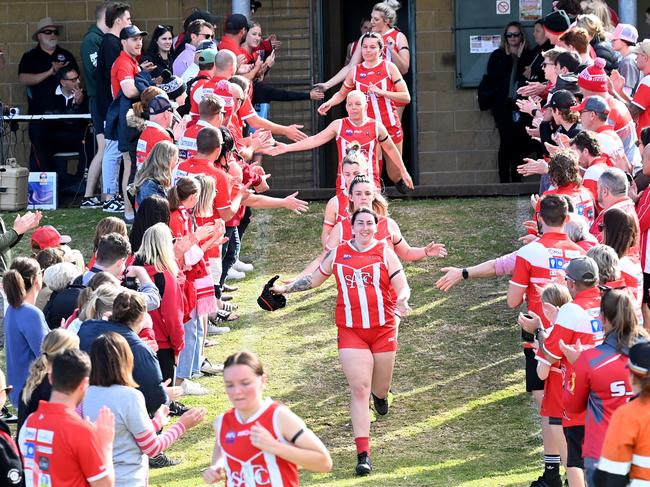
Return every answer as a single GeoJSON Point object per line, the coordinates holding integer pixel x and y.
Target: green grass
{"type": "Point", "coordinates": [460, 417]}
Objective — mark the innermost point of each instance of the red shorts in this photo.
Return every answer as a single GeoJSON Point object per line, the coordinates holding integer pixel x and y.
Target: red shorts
{"type": "Point", "coordinates": [396, 133]}
{"type": "Point", "coordinates": [552, 402]}
{"type": "Point", "coordinates": [377, 340]}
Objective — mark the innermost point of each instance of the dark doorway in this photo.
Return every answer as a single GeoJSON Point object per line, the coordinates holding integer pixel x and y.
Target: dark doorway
{"type": "Point", "coordinates": [340, 23]}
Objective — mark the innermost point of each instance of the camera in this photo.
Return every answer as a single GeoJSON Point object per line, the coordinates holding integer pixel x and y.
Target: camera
{"type": "Point", "coordinates": [131, 283]}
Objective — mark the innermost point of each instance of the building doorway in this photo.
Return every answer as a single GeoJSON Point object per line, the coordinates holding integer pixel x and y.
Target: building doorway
{"type": "Point", "coordinates": [340, 22]}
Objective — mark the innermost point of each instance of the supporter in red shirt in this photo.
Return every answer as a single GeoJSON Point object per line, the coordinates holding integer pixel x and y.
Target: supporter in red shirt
{"type": "Point", "coordinates": [643, 212]}
{"type": "Point", "coordinates": [600, 381]}
{"type": "Point", "coordinates": [234, 34]}
{"type": "Point", "coordinates": [211, 112]}
{"type": "Point", "coordinates": [201, 86]}
{"type": "Point", "coordinates": [59, 447]}
{"type": "Point", "coordinates": [591, 160]}
{"type": "Point", "coordinates": [156, 129]}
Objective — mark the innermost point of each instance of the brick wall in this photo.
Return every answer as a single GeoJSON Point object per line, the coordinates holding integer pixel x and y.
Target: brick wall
{"type": "Point", "coordinates": [456, 142]}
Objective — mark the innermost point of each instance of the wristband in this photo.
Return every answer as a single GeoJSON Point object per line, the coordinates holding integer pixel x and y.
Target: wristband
{"type": "Point", "coordinates": [465, 274]}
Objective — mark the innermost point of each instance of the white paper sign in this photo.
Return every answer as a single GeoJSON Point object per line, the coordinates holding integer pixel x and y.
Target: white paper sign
{"type": "Point", "coordinates": [503, 7]}
{"type": "Point", "coordinates": [484, 44]}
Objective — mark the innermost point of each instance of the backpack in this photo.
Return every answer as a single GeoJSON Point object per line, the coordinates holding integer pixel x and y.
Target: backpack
{"type": "Point", "coordinates": [185, 109]}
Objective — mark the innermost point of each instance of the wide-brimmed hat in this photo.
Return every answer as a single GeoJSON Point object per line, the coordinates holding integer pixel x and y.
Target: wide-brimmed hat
{"type": "Point", "coordinates": [43, 24]}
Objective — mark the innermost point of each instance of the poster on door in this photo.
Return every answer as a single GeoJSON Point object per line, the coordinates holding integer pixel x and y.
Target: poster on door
{"type": "Point", "coordinates": [530, 10]}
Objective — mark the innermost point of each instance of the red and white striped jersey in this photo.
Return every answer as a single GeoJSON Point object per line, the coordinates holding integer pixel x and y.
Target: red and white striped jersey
{"type": "Point", "coordinates": [218, 86]}
{"type": "Point", "coordinates": [342, 203]}
{"type": "Point", "coordinates": [391, 43]}
{"type": "Point", "coordinates": [379, 107]}
{"type": "Point", "coordinates": [246, 465]}
{"type": "Point", "coordinates": [581, 197]}
{"type": "Point", "coordinates": [591, 175]}
{"type": "Point", "coordinates": [365, 134]}
{"type": "Point", "coordinates": [365, 297]}
{"type": "Point", "coordinates": [150, 136]}
{"type": "Point", "coordinates": [383, 231]}
{"type": "Point", "coordinates": [187, 142]}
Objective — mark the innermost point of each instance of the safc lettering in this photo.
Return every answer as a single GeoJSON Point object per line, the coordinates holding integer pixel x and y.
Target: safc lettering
{"type": "Point", "coordinates": [358, 279]}
{"type": "Point", "coordinates": [249, 475]}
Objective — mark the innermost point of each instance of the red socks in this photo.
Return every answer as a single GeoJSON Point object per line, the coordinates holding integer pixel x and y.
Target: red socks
{"type": "Point", "coordinates": [363, 444]}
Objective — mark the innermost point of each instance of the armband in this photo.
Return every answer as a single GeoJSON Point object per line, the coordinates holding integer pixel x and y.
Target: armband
{"type": "Point", "coordinates": [395, 244]}
{"type": "Point", "coordinates": [397, 81]}
{"type": "Point", "coordinates": [395, 273]}
{"type": "Point", "coordinates": [404, 47]}
{"type": "Point", "coordinates": [296, 436]}
{"type": "Point", "coordinates": [384, 139]}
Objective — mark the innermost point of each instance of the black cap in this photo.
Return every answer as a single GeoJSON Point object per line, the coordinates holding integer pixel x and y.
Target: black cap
{"type": "Point", "coordinates": [639, 355]}
{"type": "Point", "coordinates": [236, 22]}
{"type": "Point", "coordinates": [562, 99]}
{"type": "Point", "coordinates": [557, 22]}
{"type": "Point", "coordinates": [270, 301]}
{"type": "Point", "coordinates": [159, 104]}
{"type": "Point", "coordinates": [132, 31]}
{"type": "Point", "coordinates": [567, 82]}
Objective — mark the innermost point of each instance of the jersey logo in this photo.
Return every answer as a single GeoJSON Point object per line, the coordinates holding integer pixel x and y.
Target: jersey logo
{"type": "Point", "coordinates": [142, 146]}
{"type": "Point", "coordinates": [348, 132]}
{"type": "Point", "coordinates": [363, 75]}
{"type": "Point", "coordinates": [230, 437]}
{"type": "Point", "coordinates": [358, 279]}
{"type": "Point", "coordinates": [346, 257]}
{"type": "Point", "coordinates": [556, 263]}
{"type": "Point", "coordinates": [596, 326]}
{"type": "Point", "coordinates": [250, 475]}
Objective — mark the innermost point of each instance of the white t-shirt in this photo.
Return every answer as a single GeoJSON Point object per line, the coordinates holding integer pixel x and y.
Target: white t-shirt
{"type": "Point", "coordinates": [131, 418]}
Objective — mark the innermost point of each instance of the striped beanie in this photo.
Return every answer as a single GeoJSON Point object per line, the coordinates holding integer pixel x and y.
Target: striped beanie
{"type": "Point", "coordinates": [594, 77]}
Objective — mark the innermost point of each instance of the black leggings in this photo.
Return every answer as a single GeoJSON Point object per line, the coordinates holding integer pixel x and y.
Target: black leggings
{"type": "Point", "coordinates": [167, 365]}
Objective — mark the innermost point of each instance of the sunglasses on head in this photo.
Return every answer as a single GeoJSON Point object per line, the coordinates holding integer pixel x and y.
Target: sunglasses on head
{"type": "Point", "coordinates": [513, 34]}
{"type": "Point", "coordinates": [49, 32]}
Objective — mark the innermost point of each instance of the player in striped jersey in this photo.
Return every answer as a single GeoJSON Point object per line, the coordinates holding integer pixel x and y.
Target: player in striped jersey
{"type": "Point", "coordinates": [625, 460]}
{"type": "Point", "coordinates": [383, 85]}
{"type": "Point", "coordinates": [357, 126]}
{"type": "Point", "coordinates": [372, 287]}
{"type": "Point", "coordinates": [260, 442]}
{"type": "Point", "coordinates": [337, 209]}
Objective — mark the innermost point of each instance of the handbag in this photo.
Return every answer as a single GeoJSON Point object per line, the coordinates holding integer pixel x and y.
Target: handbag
{"type": "Point", "coordinates": [486, 94]}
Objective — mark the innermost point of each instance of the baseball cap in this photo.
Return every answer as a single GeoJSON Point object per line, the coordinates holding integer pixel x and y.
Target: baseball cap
{"type": "Point", "coordinates": [132, 31]}
{"type": "Point", "coordinates": [236, 22]}
{"type": "Point", "coordinates": [639, 363]}
{"type": "Point", "coordinates": [582, 269]}
{"type": "Point", "coordinates": [159, 104]}
{"type": "Point", "coordinates": [625, 32]}
{"type": "Point", "coordinates": [557, 22]}
{"type": "Point", "coordinates": [643, 47]}
{"type": "Point", "coordinates": [561, 99]}
{"type": "Point", "coordinates": [207, 56]}
{"type": "Point", "coordinates": [596, 104]}
{"type": "Point", "coordinates": [270, 301]}
{"type": "Point", "coordinates": [43, 24]}
{"type": "Point", "coordinates": [209, 44]}
{"type": "Point", "coordinates": [47, 237]}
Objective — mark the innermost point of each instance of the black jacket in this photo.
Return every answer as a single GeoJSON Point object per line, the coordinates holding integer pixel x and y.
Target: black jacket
{"type": "Point", "coordinates": [498, 70]}
{"type": "Point", "coordinates": [11, 467]}
{"type": "Point", "coordinates": [61, 305]}
{"type": "Point", "coordinates": [605, 50]}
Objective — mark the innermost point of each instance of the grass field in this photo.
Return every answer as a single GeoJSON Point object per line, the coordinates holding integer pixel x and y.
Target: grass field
{"type": "Point", "coordinates": [460, 415]}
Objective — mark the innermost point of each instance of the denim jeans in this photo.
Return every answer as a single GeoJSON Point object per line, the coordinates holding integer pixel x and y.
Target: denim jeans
{"type": "Point", "coordinates": [229, 252]}
{"type": "Point", "coordinates": [111, 168]}
{"type": "Point", "coordinates": [591, 465]}
{"type": "Point", "coordinates": [198, 358]}
{"type": "Point", "coordinates": [187, 357]}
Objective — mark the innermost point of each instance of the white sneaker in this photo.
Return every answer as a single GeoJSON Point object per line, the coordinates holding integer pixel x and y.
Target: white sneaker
{"type": "Point", "coordinates": [235, 275]}
{"type": "Point", "coordinates": [242, 266]}
{"type": "Point", "coordinates": [217, 330]}
{"type": "Point", "coordinates": [193, 389]}
{"type": "Point", "coordinates": [208, 369]}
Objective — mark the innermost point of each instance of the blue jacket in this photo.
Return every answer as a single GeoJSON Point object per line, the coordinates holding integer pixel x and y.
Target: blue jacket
{"type": "Point", "coordinates": [146, 369]}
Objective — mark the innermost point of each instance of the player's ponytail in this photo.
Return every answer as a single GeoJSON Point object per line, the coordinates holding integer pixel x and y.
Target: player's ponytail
{"type": "Point", "coordinates": [389, 9]}
{"type": "Point", "coordinates": [354, 155]}
{"type": "Point", "coordinates": [617, 308]}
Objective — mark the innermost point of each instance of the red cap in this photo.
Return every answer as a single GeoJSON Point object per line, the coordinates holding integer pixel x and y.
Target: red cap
{"type": "Point", "coordinates": [47, 237]}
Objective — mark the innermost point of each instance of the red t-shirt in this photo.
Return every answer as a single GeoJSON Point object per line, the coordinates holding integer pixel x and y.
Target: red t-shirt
{"type": "Point", "coordinates": [197, 91]}
{"type": "Point", "coordinates": [187, 141]}
{"type": "Point", "coordinates": [222, 181]}
{"type": "Point", "coordinates": [150, 136]}
{"type": "Point", "coordinates": [60, 448]}
{"type": "Point", "coordinates": [590, 178]}
{"type": "Point", "coordinates": [581, 197]}
{"type": "Point", "coordinates": [231, 45]}
{"type": "Point", "coordinates": [539, 262]}
{"type": "Point", "coordinates": [643, 212]}
{"type": "Point", "coordinates": [124, 67]}
{"type": "Point", "coordinates": [642, 100]}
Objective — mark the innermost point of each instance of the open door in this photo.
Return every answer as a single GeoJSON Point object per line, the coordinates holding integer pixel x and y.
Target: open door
{"type": "Point", "coordinates": [340, 25]}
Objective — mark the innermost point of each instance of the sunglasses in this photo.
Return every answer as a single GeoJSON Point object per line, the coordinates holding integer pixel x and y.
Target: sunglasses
{"type": "Point", "coordinates": [512, 34]}
{"type": "Point", "coordinates": [207, 36]}
{"type": "Point", "coordinates": [8, 389]}
{"type": "Point", "coordinates": [49, 32]}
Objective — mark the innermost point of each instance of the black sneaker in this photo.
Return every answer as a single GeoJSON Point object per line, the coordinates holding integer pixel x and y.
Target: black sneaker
{"type": "Point", "coordinates": [548, 481]}
{"type": "Point", "coordinates": [161, 461]}
{"type": "Point", "coordinates": [229, 289]}
{"type": "Point", "coordinates": [91, 203]}
{"type": "Point", "coordinates": [177, 408]}
{"type": "Point", "coordinates": [364, 465]}
{"type": "Point", "coordinates": [401, 186]}
{"type": "Point", "coordinates": [381, 405]}
{"type": "Point", "coordinates": [114, 205]}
